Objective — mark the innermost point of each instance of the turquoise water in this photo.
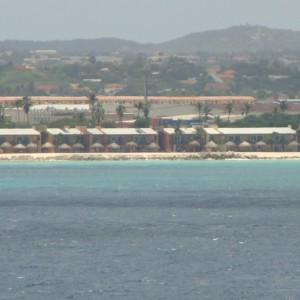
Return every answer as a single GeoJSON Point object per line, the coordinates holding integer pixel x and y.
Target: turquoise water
{"type": "Point", "coordinates": [150, 230]}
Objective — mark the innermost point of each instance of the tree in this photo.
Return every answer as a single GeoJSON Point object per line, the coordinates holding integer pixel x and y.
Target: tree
{"type": "Point", "coordinates": [274, 140]}
{"type": "Point", "coordinates": [18, 104]}
{"type": "Point", "coordinates": [142, 123]}
{"type": "Point", "coordinates": [229, 109]}
{"type": "Point", "coordinates": [139, 106]}
{"type": "Point", "coordinates": [283, 105]}
{"type": "Point", "coordinates": [177, 133]}
{"type": "Point", "coordinates": [98, 113]}
{"type": "Point", "coordinates": [26, 103]}
{"type": "Point", "coordinates": [146, 110]}
{"type": "Point", "coordinates": [120, 112]}
{"type": "Point", "coordinates": [206, 111]}
{"type": "Point", "coordinates": [246, 109]}
{"type": "Point", "coordinates": [2, 114]}
{"type": "Point", "coordinates": [199, 135]}
{"type": "Point", "coordinates": [275, 110]}
{"type": "Point", "coordinates": [198, 108]}
{"type": "Point", "coordinates": [92, 100]}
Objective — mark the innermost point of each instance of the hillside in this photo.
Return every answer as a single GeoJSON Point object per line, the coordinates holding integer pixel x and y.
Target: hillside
{"type": "Point", "coordinates": [76, 47]}
{"type": "Point", "coordinates": [237, 39]}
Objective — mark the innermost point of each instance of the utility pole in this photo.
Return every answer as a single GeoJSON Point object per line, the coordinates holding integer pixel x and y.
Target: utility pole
{"type": "Point", "coordinates": [147, 74]}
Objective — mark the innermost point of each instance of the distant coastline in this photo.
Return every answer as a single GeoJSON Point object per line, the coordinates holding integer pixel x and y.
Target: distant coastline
{"type": "Point", "coordinates": [148, 156]}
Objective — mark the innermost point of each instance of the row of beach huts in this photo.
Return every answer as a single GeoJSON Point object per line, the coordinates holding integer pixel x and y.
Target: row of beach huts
{"type": "Point", "coordinates": [83, 139]}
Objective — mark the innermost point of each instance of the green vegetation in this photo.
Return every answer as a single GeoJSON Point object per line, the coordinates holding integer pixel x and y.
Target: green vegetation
{"type": "Point", "coordinates": [266, 120]}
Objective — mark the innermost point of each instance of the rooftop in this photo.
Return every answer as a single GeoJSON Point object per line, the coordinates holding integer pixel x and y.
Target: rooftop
{"type": "Point", "coordinates": [18, 131]}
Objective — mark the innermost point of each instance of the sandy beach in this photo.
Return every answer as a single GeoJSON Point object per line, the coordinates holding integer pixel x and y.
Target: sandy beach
{"type": "Point", "coordinates": [147, 156]}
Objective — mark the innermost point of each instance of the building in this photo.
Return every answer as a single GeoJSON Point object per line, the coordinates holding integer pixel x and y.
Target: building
{"type": "Point", "coordinates": [235, 139]}
{"type": "Point", "coordinates": [122, 139]}
{"type": "Point", "coordinates": [20, 140]}
{"type": "Point", "coordinates": [10, 100]}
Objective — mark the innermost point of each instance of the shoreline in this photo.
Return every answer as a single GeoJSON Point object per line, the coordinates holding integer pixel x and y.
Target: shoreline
{"type": "Point", "coordinates": [149, 156]}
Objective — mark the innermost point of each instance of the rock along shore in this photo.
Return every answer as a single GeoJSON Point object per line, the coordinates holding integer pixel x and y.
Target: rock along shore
{"type": "Point", "coordinates": [147, 156]}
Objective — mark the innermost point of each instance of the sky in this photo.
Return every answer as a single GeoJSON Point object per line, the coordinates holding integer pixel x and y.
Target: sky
{"type": "Point", "coordinates": [144, 21]}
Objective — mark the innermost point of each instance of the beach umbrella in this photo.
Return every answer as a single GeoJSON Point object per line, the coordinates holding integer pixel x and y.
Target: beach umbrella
{"type": "Point", "coordinates": [152, 147]}
{"type": "Point", "coordinates": [64, 147]}
{"type": "Point", "coordinates": [131, 145]}
{"type": "Point", "coordinates": [260, 145]}
{"type": "Point", "coordinates": [113, 146]}
{"type": "Point", "coordinates": [47, 145]}
{"type": "Point", "coordinates": [230, 145]}
{"type": "Point", "coordinates": [293, 146]}
{"type": "Point", "coordinates": [211, 145]}
{"type": "Point", "coordinates": [19, 147]}
{"type": "Point", "coordinates": [32, 146]}
{"type": "Point", "coordinates": [78, 146]}
{"type": "Point", "coordinates": [244, 145]}
{"type": "Point", "coordinates": [194, 144]}
{"type": "Point", "coordinates": [97, 146]}
{"type": "Point", "coordinates": [6, 145]}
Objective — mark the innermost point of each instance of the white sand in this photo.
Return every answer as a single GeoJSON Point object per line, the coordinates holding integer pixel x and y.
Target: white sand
{"type": "Point", "coordinates": [147, 156]}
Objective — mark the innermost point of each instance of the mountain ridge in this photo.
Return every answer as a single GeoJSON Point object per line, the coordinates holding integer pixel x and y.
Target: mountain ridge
{"type": "Point", "coordinates": [242, 38]}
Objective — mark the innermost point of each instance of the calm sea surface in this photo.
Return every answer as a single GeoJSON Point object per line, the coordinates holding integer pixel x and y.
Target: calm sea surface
{"type": "Point", "coordinates": [150, 230]}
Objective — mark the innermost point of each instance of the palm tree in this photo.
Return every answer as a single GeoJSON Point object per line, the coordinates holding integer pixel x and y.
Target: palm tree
{"type": "Point", "coordinates": [98, 112]}
{"type": "Point", "coordinates": [274, 140]}
{"type": "Point", "coordinates": [19, 104]}
{"type": "Point", "coordinates": [246, 109]}
{"type": "Point", "coordinates": [26, 103]}
{"type": "Point", "coordinates": [2, 114]}
{"type": "Point", "coordinates": [120, 112]}
{"type": "Point", "coordinates": [177, 133]}
{"type": "Point", "coordinates": [198, 108]}
{"type": "Point", "coordinates": [283, 105]}
{"type": "Point", "coordinates": [298, 134]}
{"type": "Point", "coordinates": [275, 110]}
{"type": "Point", "coordinates": [92, 99]}
{"type": "Point", "coordinates": [139, 106]}
{"type": "Point", "coordinates": [206, 111]}
{"type": "Point", "coordinates": [229, 109]}
{"type": "Point", "coordinates": [146, 109]}
{"type": "Point", "coordinates": [199, 135]}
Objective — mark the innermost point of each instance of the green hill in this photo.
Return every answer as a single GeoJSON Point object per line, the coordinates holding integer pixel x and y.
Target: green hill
{"type": "Point", "coordinates": [235, 39]}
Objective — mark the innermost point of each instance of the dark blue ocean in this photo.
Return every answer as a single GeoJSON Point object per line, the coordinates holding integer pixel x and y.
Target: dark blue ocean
{"type": "Point", "coordinates": [150, 230]}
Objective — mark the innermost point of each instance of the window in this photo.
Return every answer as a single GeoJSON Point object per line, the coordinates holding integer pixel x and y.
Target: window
{"type": "Point", "coordinates": [255, 138]}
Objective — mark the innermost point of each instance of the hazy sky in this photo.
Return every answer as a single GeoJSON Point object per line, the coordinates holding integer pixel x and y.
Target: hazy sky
{"type": "Point", "coordinates": [139, 20]}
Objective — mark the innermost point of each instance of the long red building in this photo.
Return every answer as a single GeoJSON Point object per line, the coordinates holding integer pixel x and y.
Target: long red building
{"type": "Point", "coordinates": [10, 100]}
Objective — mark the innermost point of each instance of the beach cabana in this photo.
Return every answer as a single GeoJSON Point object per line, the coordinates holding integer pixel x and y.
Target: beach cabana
{"type": "Point", "coordinates": [230, 146]}
{"type": "Point", "coordinates": [32, 147]}
{"type": "Point", "coordinates": [113, 147]}
{"type": "Point", "coordinates": [47, 147]}
{"type": "Point", "coordinates": [211, 146]}
{"type": "Point", "coordinates": [260, 146]}
{"type": "Point", "coordinates": [97, 147]}
{"type": "Point", "coordinates": [152, 147]}
{"type": "Point", "coordinates": [6, 147]}
{"type": "Point", "coordinates": [194, 145]}
{"type": "Point", "coordinates": [19, 148]}
{"type": "Point", "coordinates": [244, 146]}
{"type": "Point", "coordinates": [131, 145]}
{"type": "Point", "coordinates": [78, 147]}
{"type": "Point", "coordinates": [293, 146]}
{"type": "Point", "coordinates": [64, 147]}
